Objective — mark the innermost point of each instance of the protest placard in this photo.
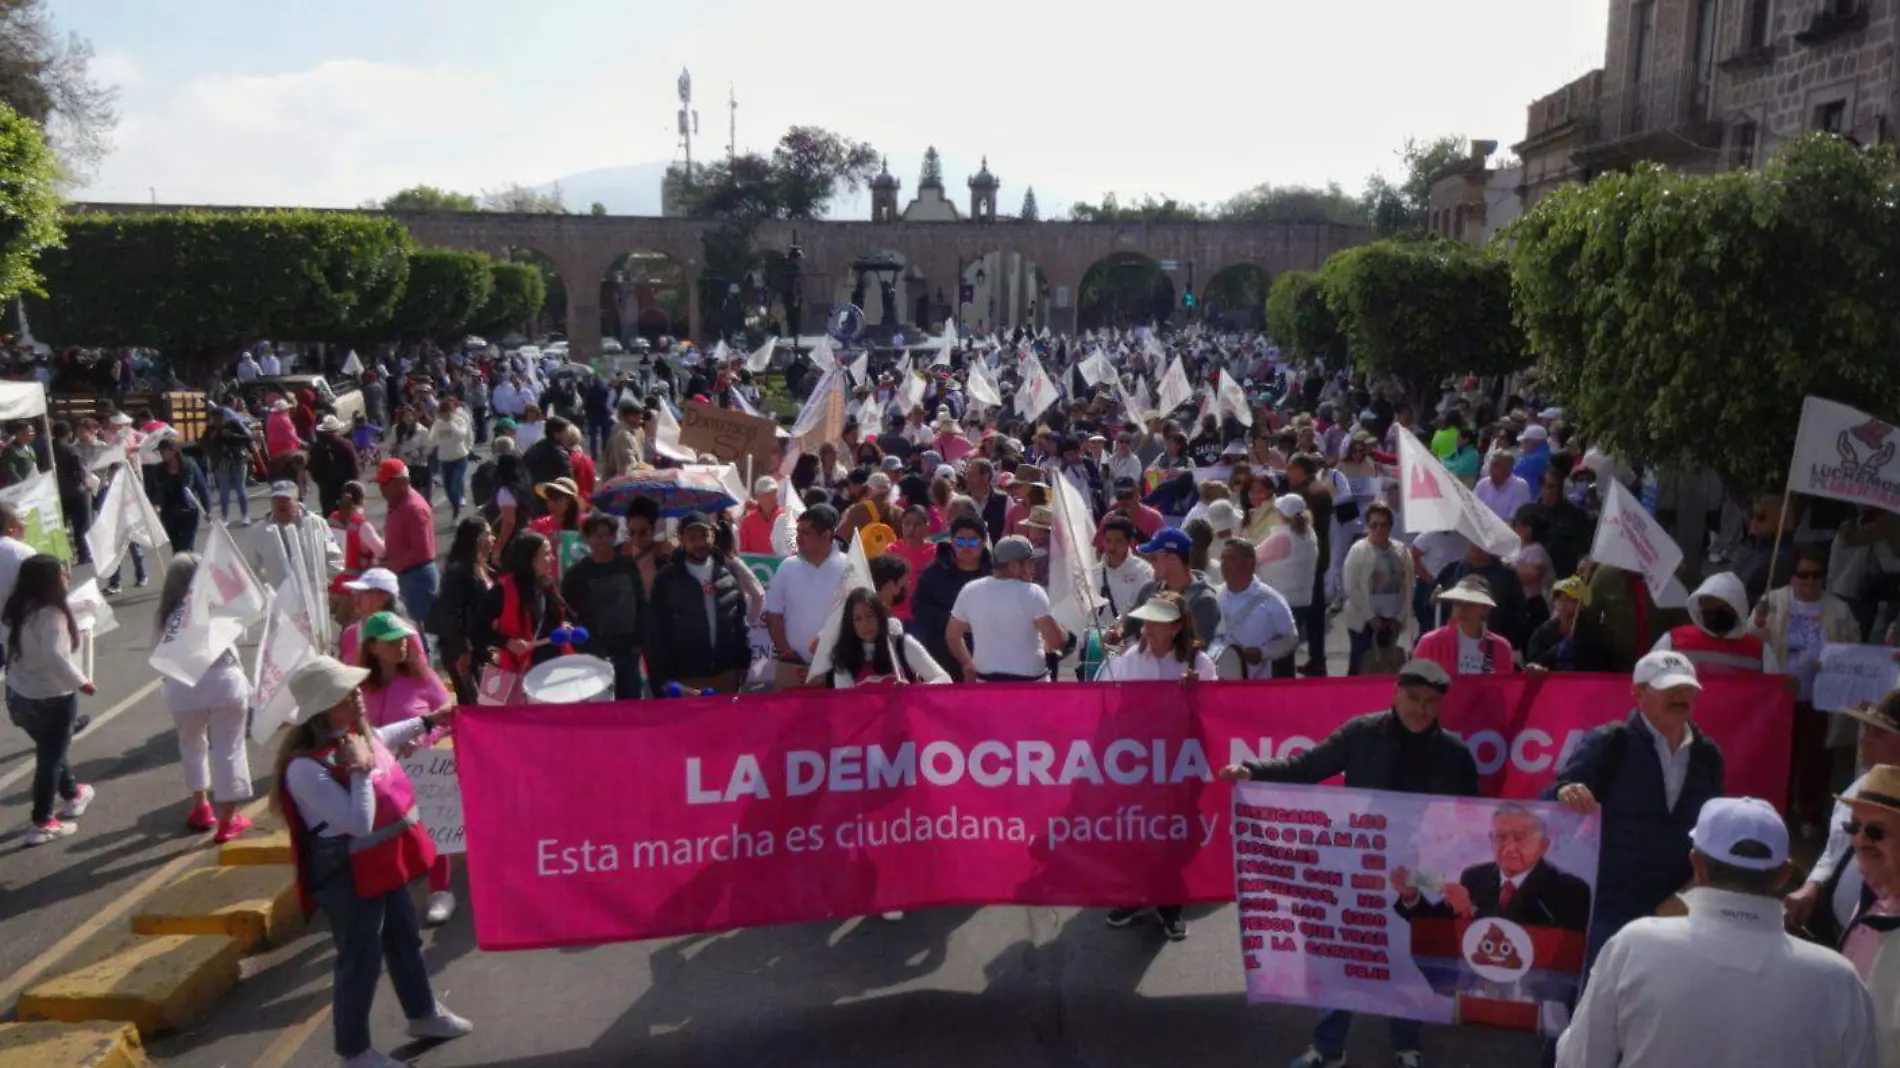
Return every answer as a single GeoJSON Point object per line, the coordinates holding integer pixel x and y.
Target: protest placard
{"type": "Point", "coordinates": [438, 794]}
{"type": "Point", "coordinates": [730, 435]}
{"type": "Point", "coordinates": [1850, 675]}
{"type": "Point", "coordinates": [1448, 910]}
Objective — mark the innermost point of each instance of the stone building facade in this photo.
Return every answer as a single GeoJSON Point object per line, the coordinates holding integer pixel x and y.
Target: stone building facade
{"type": "Point", "coordinates": [1472, 200]}
{"type": "Point", "coordinates": [1708, 85]}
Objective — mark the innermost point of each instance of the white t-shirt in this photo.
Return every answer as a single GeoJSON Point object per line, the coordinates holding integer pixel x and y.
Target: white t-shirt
{"type": "Point", "coordinates": [1124, 584]}
{"type": "Point", "coordinates": [1002, 615]}
{"type": "Point", "coordinates": [1470, 655]}
{"type": "Point", "coordinates": [1139, 665]}
{"type": "Point", "coordinates": [802, 593]}
{"type": "Point", "coordinates": [13, 553]}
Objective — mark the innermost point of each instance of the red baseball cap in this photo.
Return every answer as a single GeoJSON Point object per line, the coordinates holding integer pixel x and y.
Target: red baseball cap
{"type": "Point", "coordinates": [391, 468]}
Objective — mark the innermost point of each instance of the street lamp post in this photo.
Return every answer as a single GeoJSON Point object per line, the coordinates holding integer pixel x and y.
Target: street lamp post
{"type": "Point", "coordinates": [794, 297]}
{"type": "Point", "coordinates": [982, 277]}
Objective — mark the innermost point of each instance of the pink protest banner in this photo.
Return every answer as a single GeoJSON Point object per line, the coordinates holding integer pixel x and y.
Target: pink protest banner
{"type": "Point", "coordinates": [610, 822]}
{"type": "Point", "coordinates": [1447, 910]}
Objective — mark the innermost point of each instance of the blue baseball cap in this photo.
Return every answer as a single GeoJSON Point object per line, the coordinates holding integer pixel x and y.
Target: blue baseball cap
{"type": "Point", "coordinates": [1169, 540]}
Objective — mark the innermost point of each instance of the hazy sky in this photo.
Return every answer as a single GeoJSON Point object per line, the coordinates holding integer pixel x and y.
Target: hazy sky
{"type": "Point", "coordinates": [333, 102]}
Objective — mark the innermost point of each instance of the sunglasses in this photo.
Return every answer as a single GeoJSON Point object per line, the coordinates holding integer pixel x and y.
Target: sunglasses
{"type": "Point", "coordinates": [967, 543]}
{"type": "Point", "coordinates": [1808, 574]}
{"type": "Point", "coordinates": [1875, 832]}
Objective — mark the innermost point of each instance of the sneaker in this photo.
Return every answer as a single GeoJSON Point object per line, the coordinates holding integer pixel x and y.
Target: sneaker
{"type": "Point", "coordinates": [444, 1024]}
{"type": "Point", "coordinates": [141, 581]}
{"type": "Point", "coordinates": [1313, 1058]}
{"type": "Point", "coordinates": [1408, 1058]}
{"type": "Point", "coordinates": [113, 589]}
{"type": "Point", "coordinates": [1175, 930]}
{"type": "Point", "coordinates": [242, 523]}
{"type": "Point", "coordinates": [202, 818]}
{"type": "Point", "coordinates": [48, 831]}
{"type": "Point", "coordinates": [441, 907]}
{"type": "Point", "coordinates": [892, 917]}
{"type": "Point", "coordinates": [370, 1058]}
{"type": "Point", "coordinates": [72, 810]}
{"type": "Point", "coordinates": [80, 723]}
{"type": "Point", "coordinates": [1119, 918]}
{"type": "Point", "coordinates": [238, 825]}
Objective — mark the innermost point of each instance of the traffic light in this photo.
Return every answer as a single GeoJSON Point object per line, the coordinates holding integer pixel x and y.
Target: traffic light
{"type": "Point", "coordinates": [1187, 300]}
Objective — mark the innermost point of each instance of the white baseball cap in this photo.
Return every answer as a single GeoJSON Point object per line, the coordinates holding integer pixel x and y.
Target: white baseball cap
{"type": "Point", "coordinates": [284, 489]}
{"type": "Point", "coordinates": [766, 484]}
{"type": "Point", "coordinates": [1290, 505]}
{"type": "Point", "coordinates": [1665, 670]}
{"type": "Point", "coordinates": [1727, 824]}
{"type": "Point", "coordinates": [380, 579]}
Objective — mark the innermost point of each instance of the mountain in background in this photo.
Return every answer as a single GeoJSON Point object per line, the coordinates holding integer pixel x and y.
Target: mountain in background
{"type": "Point", "coordinates": [635, 190]}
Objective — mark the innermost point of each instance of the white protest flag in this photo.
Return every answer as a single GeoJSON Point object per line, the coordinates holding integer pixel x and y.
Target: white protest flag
{"type": "Point", "coordinates": [1075, 575]}
{"type": "Point", "coordinates": [1175, 389]}
{"type": "Point", "coordinates": [666, 437]}
{"type": "Point", "coordinates": [861, 368]}
{"type": "Point", "coordinates": [1234, 399]}
{"type": "Point", "coordinates": [125, 516]}
{"type": "Point", "coordinates": [822, 417]}
{"type": "Point", "coordinates": [353, 364]}
{"type": "Point", "coordinates": [1629, 538]}
{"type": "Point", "coordinates": [903, 365]}
{"type": "Point", "coordinates": [914, 385]}
{"type": "Point", "coordinates": [1206, 410]}
{"type": "Point", "coordinates": [822, 356]}
{"type": "Point", "coordinates": [285, 646]}
{"type": "Point", "coordinates": [1845, 454]}
{"type": "Point", "coordinates": [1132, 410]}
{"type": "Point", "coordinates": [1435, 500]}
{"type": "Point", "coordinates": [91, 611]}
{"type": "Point", "coordinates": [1151, 345]}
{"type": "Point", "coordinates": [761, 357]}
{"type": "Point", "coordinates": [946, 344]}
{"type": "Point", "coordinates": [224, 600]}
{"type": "Point", "coordinates": [1037, 392]}
{"type": "Point", "coordinates": [868, 416]}
{"type": "Point", "coordinates": [148, 446]}
{"type": "Point", "coordinates": [983, 385]}
{"type": "Point", "coordinates": [720, 354]}
{"type": "Point", "coordinates": [1144, 399]}
{"type": "Point", "coordinates": [740, 404]}
{"type": "Point", "coordinates": [1096, 369]}
{"type": "Point", "coordinates": [857, 576]}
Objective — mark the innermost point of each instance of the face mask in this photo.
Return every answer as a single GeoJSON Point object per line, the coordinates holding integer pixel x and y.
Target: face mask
{"type": "Point", "coordinates": [1718, 621]}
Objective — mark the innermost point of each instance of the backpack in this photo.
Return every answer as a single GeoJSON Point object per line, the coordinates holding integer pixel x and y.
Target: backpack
{"type": "Point", "coordinates": [877, 535]}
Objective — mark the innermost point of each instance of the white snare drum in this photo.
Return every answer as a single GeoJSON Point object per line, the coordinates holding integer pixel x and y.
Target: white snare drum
{"type": "Point", "coordinates": [569, 680]}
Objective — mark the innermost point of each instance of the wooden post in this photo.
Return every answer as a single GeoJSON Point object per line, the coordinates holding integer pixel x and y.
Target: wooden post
{"type": "Point", "coordinates": [1781, 524]}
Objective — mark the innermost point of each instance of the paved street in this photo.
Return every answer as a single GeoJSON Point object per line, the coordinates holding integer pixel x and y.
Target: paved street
{"type": "Point", "coordinates": [998, 986]}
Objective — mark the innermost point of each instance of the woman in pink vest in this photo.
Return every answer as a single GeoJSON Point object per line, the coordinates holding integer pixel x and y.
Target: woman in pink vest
{"type": "Point", "coordinates": [358, 841]}
{"type": "Point", "coordinates": [1466, 646]}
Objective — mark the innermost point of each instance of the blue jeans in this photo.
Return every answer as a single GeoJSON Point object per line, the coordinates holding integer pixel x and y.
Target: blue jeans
{"type": "Point", "coordinates": [49, 722]}
{"type": "Point", "coordinates": [454, 477]}
{"type": "Point", "coordinates": [1330, 1036]}
{"type": "Point", "coordinates": [598, 431]}
{"type": "Point", "coordinates": [369, 932]}
{"type": "Point", "coordinates": [419, 585]}
{"type": "Point", "coordinates": [231, 474]}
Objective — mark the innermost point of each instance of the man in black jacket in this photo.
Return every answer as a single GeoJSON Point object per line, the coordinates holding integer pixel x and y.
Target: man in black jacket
{"type": "Point", "coordinates": [960, 561]}
{"type": "Point", "coordinates": [697, 632]}
{"type": "Point", "coordinates": [546, 459]}
{"type": "Point", "coordinates": [1403, 749]}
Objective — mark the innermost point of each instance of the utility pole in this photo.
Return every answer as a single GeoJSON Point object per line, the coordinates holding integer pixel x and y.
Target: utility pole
{"type": "Point", "coordinates": [732, 128]}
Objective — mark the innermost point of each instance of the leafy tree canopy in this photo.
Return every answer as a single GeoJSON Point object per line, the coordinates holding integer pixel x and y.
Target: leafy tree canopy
{"type": "Point", "coordinates": [1299, 318]}
{"type": "Point", "coordinates": [1683, 319]}
{"type": "Point", "coordinates": [447, 289]}
{"type": "Point", "coordinates": [198, 284]}
{"type": "Point", "coordinates": [1268, 203]}
{"type": "Point", "coordinates": [514, 299]}
{"type": "Point", "coordinates": [522, 200]}
{"type": "Point", "coordinates": [29, 202]}
{"type": "Point", "coordinates": [429, 198]}
{"type": "Point", "coordinates": [1149, 209]}
{"type": "Point", "coordinates": [48, 79]}
{"type": "Point", "coordinates": [1424, 309]}
{"type": "Point", "coordinates": [1030, 212]}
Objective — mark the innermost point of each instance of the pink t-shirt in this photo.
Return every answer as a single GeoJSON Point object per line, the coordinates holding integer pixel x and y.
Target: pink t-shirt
{"type": "Point", "coordinates": [405, 697]}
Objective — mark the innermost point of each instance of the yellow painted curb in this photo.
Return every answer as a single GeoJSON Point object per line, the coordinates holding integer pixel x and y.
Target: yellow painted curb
{"type": "Point", "coordinates": [252, 904]}
{"type": "Point", "coordinates": [157, 984]}
{"type": "Point", "coordinates": [101, 1044]}
{"type": "Point", "coordinates": [272, 848]}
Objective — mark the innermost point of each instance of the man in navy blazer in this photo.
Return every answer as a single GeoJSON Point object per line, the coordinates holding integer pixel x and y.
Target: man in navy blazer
{"type": "Point", "coordinates": [1517, 885]}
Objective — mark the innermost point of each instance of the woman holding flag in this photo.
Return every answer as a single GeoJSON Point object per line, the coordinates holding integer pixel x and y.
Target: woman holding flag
{"type": "Point", "coordinates": [210, 717]}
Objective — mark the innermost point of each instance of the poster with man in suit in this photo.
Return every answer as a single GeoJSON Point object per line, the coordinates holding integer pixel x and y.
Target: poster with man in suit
{"type": "Point", "coordinates": [1519, 883]}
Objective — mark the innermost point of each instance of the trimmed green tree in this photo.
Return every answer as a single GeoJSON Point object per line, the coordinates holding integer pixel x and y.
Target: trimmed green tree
{"type": "Point", "coordinates": [29, 202]}
{"type": "Point", "coordinates": [199, 284]}
{"type": "Point", "coordinates": [1682, 320]}
{"type": "Point", "coordinates": [1299, 318]}
{"type": "Point", "coordinates": [1424, 309]}
{"type": "Point", "coordinates": [447, 289]}
{"type": "Point", "coordinates": [515, 298]}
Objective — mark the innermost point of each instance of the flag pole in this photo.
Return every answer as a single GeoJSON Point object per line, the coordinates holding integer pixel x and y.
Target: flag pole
{"type": "Point", "coordinates": [1781, 524]}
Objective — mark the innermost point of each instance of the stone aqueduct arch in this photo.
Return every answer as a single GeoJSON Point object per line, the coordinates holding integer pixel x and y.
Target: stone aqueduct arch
{"type": "Point", "coordinates": [584, 247]}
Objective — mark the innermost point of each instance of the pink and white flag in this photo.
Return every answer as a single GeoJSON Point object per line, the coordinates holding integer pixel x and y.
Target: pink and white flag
{"type": "Point", "coordinates": [1434, 499]}
{"type": "Point", "coordinates": [1629, 538]}
{"type": "Point", "coordinates": [1846, 454]}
